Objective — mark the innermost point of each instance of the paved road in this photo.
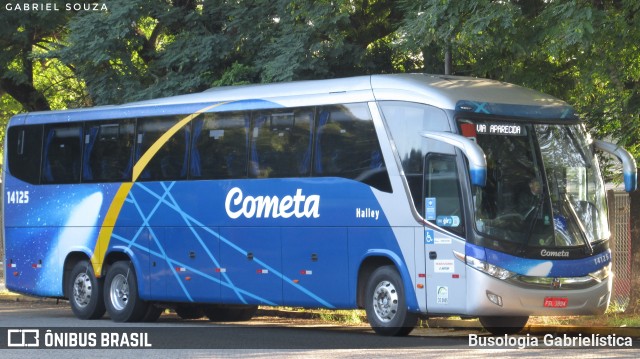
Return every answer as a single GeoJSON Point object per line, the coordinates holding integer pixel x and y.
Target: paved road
{"type": "Point", "coordinates": [261, 337]}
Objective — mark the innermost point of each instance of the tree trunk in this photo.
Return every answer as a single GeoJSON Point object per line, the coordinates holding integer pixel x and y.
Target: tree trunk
{"type": "Point", "coordinates": [28, 96]}
{"type": "Point", "coordinates": [448, 63]}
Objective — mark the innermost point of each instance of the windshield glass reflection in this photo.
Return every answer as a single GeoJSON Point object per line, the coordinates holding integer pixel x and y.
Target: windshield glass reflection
{"type": "Point", "coordinates": [543, 186]}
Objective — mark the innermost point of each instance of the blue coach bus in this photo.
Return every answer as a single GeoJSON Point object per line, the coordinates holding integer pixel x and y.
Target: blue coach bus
{"type": "Point", "coordinates": [407, 195]}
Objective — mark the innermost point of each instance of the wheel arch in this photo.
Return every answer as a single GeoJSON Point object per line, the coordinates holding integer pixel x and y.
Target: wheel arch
{"type": "Point", "coordinates": [122, 253]}
{"type": "Point", "coordinates": [375, 259]}
{"type": "Point", "coordinates": [70, 261]}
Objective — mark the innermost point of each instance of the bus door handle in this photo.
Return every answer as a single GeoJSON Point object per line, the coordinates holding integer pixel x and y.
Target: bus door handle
{"type": "Point", "coordinates": [433, 255]}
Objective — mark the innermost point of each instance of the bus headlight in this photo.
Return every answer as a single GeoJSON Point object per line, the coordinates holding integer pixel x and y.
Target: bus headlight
{"type": "Point", "coordinates": [601, 274]}
{"type": "Point", "coordinates": [490, 269]}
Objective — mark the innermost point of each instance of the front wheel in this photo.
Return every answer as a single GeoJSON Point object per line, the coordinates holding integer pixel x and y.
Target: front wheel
{"type": "Point", "coordinates": [85, 292]}
{"type": "Point", "coordinates": [504, 325]}
{"type": "Point", "coordinates": [386, 305]}
{"type": "Point", "coordinates": [121, 294]}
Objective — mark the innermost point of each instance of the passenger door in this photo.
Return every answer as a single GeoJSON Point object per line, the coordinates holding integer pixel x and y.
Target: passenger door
{"type": "Point", "coordinates": [445, 284]}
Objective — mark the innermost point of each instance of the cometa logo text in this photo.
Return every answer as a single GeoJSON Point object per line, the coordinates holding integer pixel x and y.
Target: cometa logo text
{"type": "Point", "coordinates": [298, 205]}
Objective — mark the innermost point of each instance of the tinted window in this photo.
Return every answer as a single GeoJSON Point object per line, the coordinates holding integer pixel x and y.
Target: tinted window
{"type": "Point", "coordinates": [347, 146]}
{"type": "Point", "coordinates": [281, 143]}
{"type": "Point", "coordinates": [25, 149]}
{"type": "Point", "coordinates": [441, 183]}
{"type": "Point", "coordinates": [406, 120]}
{"type": "Point", "coordinates": [170, 162]}
{"type": "Point", "coordinates": [219, 148]}
{"type": "Point", "coordinates": [62, 154]}
{"type": "Point", "coordinates": [108, 151]}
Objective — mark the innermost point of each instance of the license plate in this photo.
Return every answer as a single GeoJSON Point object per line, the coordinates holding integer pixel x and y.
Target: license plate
{"type": "Point", "coordinates": [556, 302]}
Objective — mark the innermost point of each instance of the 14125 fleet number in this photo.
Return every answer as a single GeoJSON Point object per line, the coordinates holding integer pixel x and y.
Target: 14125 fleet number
{"type": "Point", "coordinates": [17, 197]}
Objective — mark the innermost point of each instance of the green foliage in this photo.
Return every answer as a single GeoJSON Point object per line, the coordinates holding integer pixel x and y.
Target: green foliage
{"type": "Point", "coordinates": [8, 107]}
{"type": "Point", "coordinates": [20, 35]}
{"type": "Point", "coordinates": [585, 52]}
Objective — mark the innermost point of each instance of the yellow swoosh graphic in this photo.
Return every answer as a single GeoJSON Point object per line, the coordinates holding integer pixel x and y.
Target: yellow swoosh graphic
{"type": "Point", "coordinates": [106, 230]}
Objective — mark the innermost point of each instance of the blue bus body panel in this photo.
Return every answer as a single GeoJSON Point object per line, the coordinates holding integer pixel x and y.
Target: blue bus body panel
{"type": "Point", "coordinates": [252, 260]}
{"type": "Point", "coordinates": [58, 220]}
{"type": "Point", "coordinates": [315, 259]}
{"type": "Point", "coordinates": [303, 248]}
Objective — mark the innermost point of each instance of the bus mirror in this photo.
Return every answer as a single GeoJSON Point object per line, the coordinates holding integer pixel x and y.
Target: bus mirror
{"type": "Point", "coordinates": [473, 152]}
{"type": "Point", "coordinates": [629, 168]}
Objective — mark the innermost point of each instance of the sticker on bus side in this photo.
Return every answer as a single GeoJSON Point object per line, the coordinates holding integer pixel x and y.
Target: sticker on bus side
{"type": "Point", "coordinates": [442, 295]}
{"type": "Point", "coordinates": [430, 208]}
{"type": "Point", "coordinates": [443, 266]}
{"type": "Point", "coordinates": [428, 236]}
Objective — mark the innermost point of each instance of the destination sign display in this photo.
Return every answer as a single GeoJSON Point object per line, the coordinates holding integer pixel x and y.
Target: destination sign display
{"type": "Point", "coordinates": [501, 129]}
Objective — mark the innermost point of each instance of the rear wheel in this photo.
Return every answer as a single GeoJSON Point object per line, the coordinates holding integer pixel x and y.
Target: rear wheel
{"type": "Point", "coordinates": [229, 313]}
{"type": "Point", "coordinates": [121, 294]}
{"type": "Point", "coordinates": [85, 292]}
{"type": "Point", "coordinates": [385, 303]}
{"type": "Point", "coordinates": [501, 325]}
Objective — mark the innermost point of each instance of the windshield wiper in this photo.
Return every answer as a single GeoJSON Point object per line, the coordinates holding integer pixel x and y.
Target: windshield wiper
{"type": "Point", "coordinates": [583, 231]}
{"type": "Point", "coordinates": [534, 219]}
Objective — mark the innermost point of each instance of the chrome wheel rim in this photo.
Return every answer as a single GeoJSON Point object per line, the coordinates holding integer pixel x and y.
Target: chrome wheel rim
{"type": "Point", "coordinates": [385, 301]}
{"type": "Point", "coordinates": [82, 290]}
{"type": "Point", "coordinates": [119, 292]}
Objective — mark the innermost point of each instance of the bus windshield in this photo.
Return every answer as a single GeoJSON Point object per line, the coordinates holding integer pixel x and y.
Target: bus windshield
{"type": "Point", "coordinates": [543, 186]}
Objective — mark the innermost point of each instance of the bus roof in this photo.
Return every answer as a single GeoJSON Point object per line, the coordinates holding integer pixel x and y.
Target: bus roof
{"type": "Point", "coordinates": [438, 90]}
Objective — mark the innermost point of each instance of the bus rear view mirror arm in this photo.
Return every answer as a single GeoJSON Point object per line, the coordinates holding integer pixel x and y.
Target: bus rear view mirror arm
{"type": "Point", "coordinates": [475, 155]}
{"type": "Point", "coordinates": [629, 168]}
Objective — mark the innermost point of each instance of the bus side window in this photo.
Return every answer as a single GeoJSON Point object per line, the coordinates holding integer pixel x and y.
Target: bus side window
{"type": "Point", "coordinates": [219, 147]}
{"type": "Point", "coordinates": [281, 143]}
{"type": "Point", "coordinates": [403, 120]}
{"type": "Point", "coordinates": [347, 146]}
{"type": "Point", "coordinates": [108, 151]}
{"type": "Point", "coordinates": [441, 182]}
{"type": "Point", "coordinates": [170, 162]}
{"type": "Point", "coordinates": [25, 151]}
{"type": "Point", "coordinates": [62, 153]}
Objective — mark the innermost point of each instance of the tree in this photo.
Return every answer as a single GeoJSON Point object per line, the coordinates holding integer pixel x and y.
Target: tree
{"type": "Point", "coordinates": [583, 51]}
{"type": "Point", "coordinates": [462, 29]}
{"type": "Point", "coordinates": [325, 39]}
{"type": "Point", "coordinates": [22, 34]}
{"type": "Point", "coordinates": [142, 49]}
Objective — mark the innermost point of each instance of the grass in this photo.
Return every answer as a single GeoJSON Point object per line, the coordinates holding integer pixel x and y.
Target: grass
{"type": "Point", "coordinates": [342, 316]}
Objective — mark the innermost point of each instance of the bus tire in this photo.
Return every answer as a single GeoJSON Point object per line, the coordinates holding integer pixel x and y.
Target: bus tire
{"type": "Point", "coordinates": [386, 305]}
{"type": "Point", "coordinates": [121, 294]}
{"type": "Point", "coordinates": [85, 292]}
{"type": "Point", "coordinates": [501, 325]}
{"type": "Point", "coordinates": [230, 313]}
